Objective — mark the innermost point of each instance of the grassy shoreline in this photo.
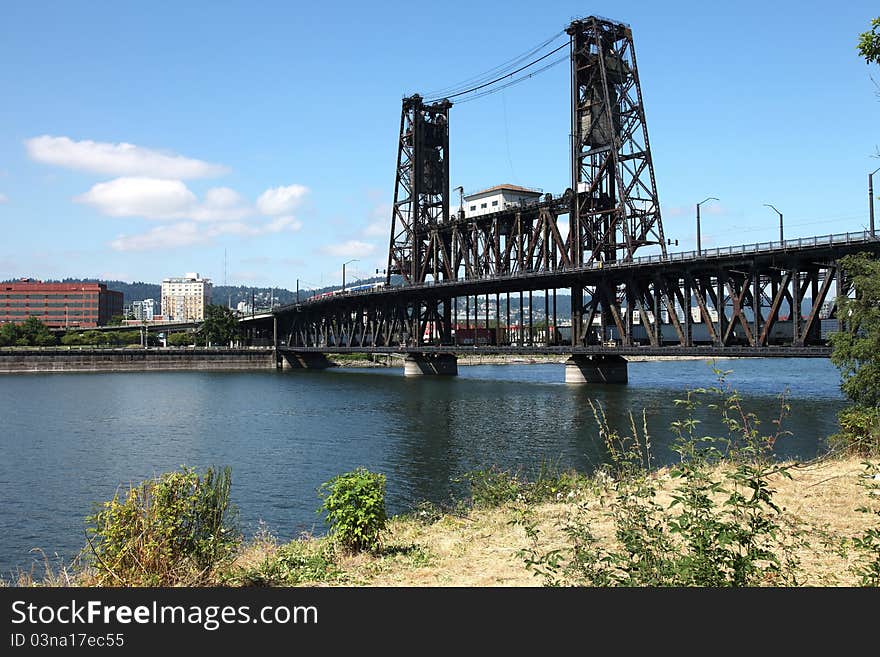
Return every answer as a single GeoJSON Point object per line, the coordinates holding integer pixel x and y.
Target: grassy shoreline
{"type": "Point", "coordinates": [480, 545]}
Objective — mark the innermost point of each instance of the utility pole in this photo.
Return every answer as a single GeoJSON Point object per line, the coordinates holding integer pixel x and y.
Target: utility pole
{"type": "Point", "coordinates": [781, 238]}
{"type": "Point", "coordinates": [699, 245]}
{"type": "Point", "coordinates": [297, 290]}
{"type": "Point", "coordinates": [871, 198]}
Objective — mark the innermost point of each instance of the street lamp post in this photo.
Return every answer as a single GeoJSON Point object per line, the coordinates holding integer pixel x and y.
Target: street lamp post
{"type": "Point", "coordinates": [343, 271]}
{"type": "Point", "coordinates": [699, 246]}
{"type": "Point", "coordinates": [871, 198]}
{"type": "Point", "coordinates": [781, 239]}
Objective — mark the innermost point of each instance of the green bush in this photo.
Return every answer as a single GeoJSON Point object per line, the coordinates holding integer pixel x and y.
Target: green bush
{"type": "Point", "coordinates": [859, 433]}
{"type": "Point", "coordinates": [868, 542]}
{"type": "Point", "coordinates": [168, 531]}
{"type": "Point", "coordinates": [181, 339]}
{"type": "Point", "coordinates": [295, 563]}
{"type": "Point", "coordinates": [491, 487]}
{"type": "Point", "coordinates": [720, 529]}
{"type": "Point", "coordinates": [355, 506]}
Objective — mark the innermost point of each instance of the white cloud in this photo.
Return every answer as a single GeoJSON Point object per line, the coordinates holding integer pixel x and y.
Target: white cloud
{"type": "Point", "coordinates": [380, 221]}
{"type": "Point", "coordinates": [222, 204]}
{"type": "Point", "coordinates": [284, 223]}
{"type": "Point", "coordinates": [155, 198]}
{"type": "Point", "coordinates": [3, 198]}
{"type": "Point", "coordinates": [190, 232]}
{"type": "Point", "coordinates": [151, 198]}
{"type": "Point", "coordinates": [161, 237]}
{"type": "Point", "coordinates": [281, 200]}
{"type": "Point", "coordinates": [120, 159]}
{"type": "Point", "coordinates": [349, 249]}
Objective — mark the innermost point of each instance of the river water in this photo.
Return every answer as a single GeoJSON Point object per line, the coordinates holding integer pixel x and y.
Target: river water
{"type": "Point", "coordinates": [69, 440]}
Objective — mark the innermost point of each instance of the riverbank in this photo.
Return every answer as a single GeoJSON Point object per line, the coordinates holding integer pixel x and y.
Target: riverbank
{"type": "Point", "coordinates": [481, 545]}
{"type": "Point", "coordinates": [121, 359]}
{"type": "Point", "coordinates": [124, 359]}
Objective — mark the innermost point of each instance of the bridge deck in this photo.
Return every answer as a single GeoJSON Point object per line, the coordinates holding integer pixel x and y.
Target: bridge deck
{"type": "Point", "coordinates": [671, 351]}
{"type": "Point", "coordinates": [823, 246]}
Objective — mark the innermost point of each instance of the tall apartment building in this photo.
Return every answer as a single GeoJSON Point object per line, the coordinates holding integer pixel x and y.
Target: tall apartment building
{"type": "Point", "coordinates": [184, 298]}
{"type": "Point", "coordinates": [143, 310]}
{"type": "Point", "coordinates": [59, 305]}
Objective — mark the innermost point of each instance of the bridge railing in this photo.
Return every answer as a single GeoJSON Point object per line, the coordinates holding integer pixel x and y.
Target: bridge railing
{"type": "Point", "coordinates": [756, 248]}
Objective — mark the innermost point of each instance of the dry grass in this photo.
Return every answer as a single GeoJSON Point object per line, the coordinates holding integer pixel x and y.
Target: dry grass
{"type": "Point", "coordinates": [480, 547]}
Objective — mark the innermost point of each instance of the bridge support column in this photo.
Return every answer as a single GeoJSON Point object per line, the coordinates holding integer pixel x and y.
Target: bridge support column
{"type": "Point", "coordinates": [304, 360]}
{"type": "Point", "coordinates": [595, 369]}
{"type": "Point", "coordinates": [417, 364]}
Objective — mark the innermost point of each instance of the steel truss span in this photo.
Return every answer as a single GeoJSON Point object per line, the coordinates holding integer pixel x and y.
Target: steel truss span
{"type": "Point", "coordinates": [768, 302]}
{"type": "Point", "coordinates": [463, 283]}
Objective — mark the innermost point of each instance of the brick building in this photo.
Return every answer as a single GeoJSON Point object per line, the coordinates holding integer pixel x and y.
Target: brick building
{"type": "Point", "coordinates": [59, 305]}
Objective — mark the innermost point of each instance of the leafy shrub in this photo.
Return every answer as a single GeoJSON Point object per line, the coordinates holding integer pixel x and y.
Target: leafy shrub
{"type": "Point", "coordinates": [182, 339]}
{"type": "Point", "coordinates": [289, 565]}
{"type": "Point", "coordinates": [868, 570]}
{"type": "Point", "coordinates": [491, 487]}
{"type": "Point", "coordinates": [721, 527]}
{"type": "Point", "coordinates": [859, 433]}
{"type": "Point", "coordinates": [355, 506]}
{"type": "Point", "coordinates": [172, 530]}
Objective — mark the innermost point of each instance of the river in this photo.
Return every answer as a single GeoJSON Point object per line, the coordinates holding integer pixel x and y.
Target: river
{"type": "Point", "coordinates": [70, 440]}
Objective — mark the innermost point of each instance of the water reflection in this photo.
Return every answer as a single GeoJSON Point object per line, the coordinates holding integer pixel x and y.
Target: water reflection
{"type": "Point", "coordinates": [69, 440]}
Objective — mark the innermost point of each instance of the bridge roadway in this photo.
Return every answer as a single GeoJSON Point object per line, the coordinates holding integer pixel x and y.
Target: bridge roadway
{"type": "Point", "coordinates": [825, 247]}
{"type": "Point", "coordinates": [769, 277]}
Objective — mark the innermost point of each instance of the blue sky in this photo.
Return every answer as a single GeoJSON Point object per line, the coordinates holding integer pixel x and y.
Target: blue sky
{"type": "Point", "coordinates": [145, 140]}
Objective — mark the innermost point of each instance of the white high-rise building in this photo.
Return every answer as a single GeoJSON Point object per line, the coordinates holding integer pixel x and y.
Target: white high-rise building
{"type": "Point", "coordinates": [143, 310]}
{"type": "Point", "coordinates": [184, 298]}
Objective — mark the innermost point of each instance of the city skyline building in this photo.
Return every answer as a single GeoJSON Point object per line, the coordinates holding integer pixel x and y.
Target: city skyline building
{"type": "Point", "coordinates": [184, 298]}
{"type": "Point", "coordinates": [59, 305]}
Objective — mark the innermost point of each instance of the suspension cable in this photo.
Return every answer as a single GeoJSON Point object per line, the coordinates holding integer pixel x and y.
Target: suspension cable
{"type": "Point", "coordinates": [493, 72]}
{"type": "Point", "coordinates": [506, 75]}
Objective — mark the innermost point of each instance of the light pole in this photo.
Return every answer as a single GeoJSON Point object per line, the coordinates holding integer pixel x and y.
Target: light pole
{"type": "Point", "coordinates": [343, 271]}
{"type": "Point", "coordinates": [871, 198]}
{"type": "Point", "coordinates": [781, 239]}
{"type": "Point", "coordinates": [709, 198]}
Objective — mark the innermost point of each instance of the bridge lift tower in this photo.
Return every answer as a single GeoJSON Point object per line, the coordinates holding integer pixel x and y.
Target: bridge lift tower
{"type": "Point", "coordinates": [421, 191]}
{"type": "Point", "coordinates": [614, 206]}
{"type": "Point", "coordinates": [615, 209]}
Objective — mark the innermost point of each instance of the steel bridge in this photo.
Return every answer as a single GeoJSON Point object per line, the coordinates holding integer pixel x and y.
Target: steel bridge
{"type": "Point", "coordinates": [758, 300]}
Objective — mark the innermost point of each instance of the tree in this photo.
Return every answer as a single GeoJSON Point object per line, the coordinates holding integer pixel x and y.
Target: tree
{"type": "Point", "coordinates": [8, 334]}
{"type": "Point", "coordinates": [183, 339]}
{"type": "Point", "coordinates": [220, 325]}
{"type": "Point", "coordinates": [869, 43]}
{"type": "Point", "coordinates": [856, 347]}
{"type": "Point", "coordinates": [33, 332]}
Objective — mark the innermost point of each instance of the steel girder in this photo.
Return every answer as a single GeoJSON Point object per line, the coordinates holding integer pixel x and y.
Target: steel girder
{"type": "Point", "coordinates": [751, 304]}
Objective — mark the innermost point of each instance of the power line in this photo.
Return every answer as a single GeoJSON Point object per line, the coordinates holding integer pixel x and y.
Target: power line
{"type": "Point", "coordinates": [507, 75]}
{"type": "Point", "coordinates": [493, 72]}
{"type": "Point", "coordinates": [493, 90]}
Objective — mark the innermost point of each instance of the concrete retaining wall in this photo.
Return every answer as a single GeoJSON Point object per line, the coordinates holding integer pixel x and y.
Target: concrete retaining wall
{"type": "Point", "coordinates": [121, 360]}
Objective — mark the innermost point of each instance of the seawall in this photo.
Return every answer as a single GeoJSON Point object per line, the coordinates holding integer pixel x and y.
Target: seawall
{"type": "Point", "coordinates": [134, 359]}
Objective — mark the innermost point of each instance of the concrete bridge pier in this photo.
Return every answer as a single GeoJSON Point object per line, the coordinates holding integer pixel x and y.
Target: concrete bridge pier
{"type": "Point", "coordinates": [303, 360]}
{"type": "Point", "coordinates": [417, 364]}
{"type": "Point", "coordinates": [581, 368]}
